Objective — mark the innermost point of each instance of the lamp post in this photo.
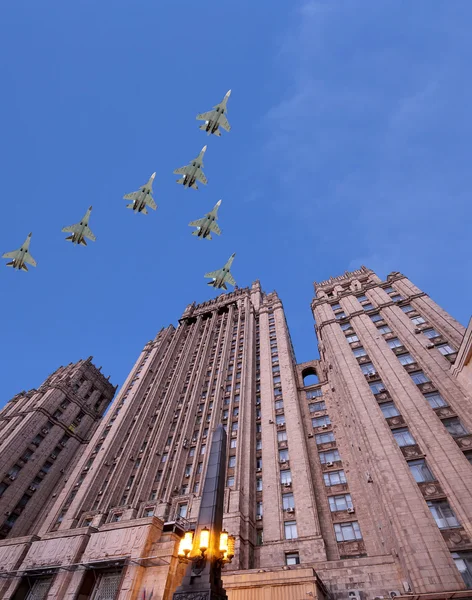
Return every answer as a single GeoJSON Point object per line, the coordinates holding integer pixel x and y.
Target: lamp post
{"type": "Point", "coordinates": [206, 551]}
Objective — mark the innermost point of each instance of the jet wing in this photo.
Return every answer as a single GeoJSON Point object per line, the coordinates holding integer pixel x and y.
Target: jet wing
{"type": "Point", "coordinates": [13, 254]}
{"type": "Point", "coordinates": [71, 229]}
{"type": "Point", "coordinates": [183, 170]}
{"type": "Point", "coordinates": [223, 123]}
{"type": "Point", "coordinates": [205, 116]}
{"type": "Point", "coordinates": [198, 223]}
{"type": "Point", "coordinates": [201, 176]}
{"type": "Point", "coordinates": [150, 202]}
{"type": "Point", "coordinates": [213, 274]}
{"type": "Point", "coordinates": [29, 259]}
{"type": "Point", "coordinates": [230, 279]}
{"type": "Point", "coordinates": [214, 227]}
{"type": "Point", "coordinates": [88, 233]}
{"type": "Point", "coordinates": [132, 196]}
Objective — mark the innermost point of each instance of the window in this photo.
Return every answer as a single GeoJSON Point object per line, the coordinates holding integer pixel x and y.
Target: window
{"type": "Point", "coordinates": [324, 438]}
{"type": "Point", "coordinates": [389, 289]}
{"type": "Point", "coordinates": [259, 510]}
{"type": "Point", "coordinates": [288, 501]}
{"type": "Point", "coordinates": [233, 443]}
{"type": "Point", "coordinates": [199, 467]}
{"type": "Point", "coordinates": [164, 458]}
{"type": "Point", "coordinates": [345, 326]}
{"type": "Point", "coordinates": [358, 352]}
{"type": "Point", "coordinates": [230, 482]}
{"type": "Point", "coordinates": [417, 320]}
{"type": "Point", "coordinates": [368, 306]}
{"type": "Point", "coordinates": [455, 427]}
{"type": "Point", "coordinates": [232, 461]}
{"type": "Point", "coordinates": [347, 531]}
{"type": "Point", "coordinates": [182, 510]}
{"type": "Point", "coordinates": [435, 400]}
{"type": "Point", "coordinates": [329, 456]}
{"type": "Point", "coordinates": [445, 349]}
{"type": "Point", "coordinates": [420, 470]}
{"type": "Point", "coordinates": [236, 411]}
{"type": "Point", "coordinates": [116, 517]}
{"type": "Point", "coordinates": [203, 449]}
{"type": "Point", "coordinates": [320, 421]}
{"type": "Point", "coordinates": [234, 426]}
{"type": "Point", "coordinates": [375, 318]}
{"type": "Point", "coordinates": [283, 455]}
{"type": "Point", "coordinates": [361, 298]}
{"type": "Point", "coordinates": [431, 333]}
{"type": "Point", "coordinates": [334, 478]}
{"type": "Point", "coordinates": [403, 437]}
{"type": "Point", "coordinates": [463, 562]}
{"type": "Point", "coordinates": [407, 308]}
{"type": "Point", "coordinates": [191, 452]}
{"type": "Point", "coordinates": [394, 343]}
{"type": "Point", "coordinates": [259, 484]}
{"type": "Point", "coordinates": [406, 359]}
{"type": "Point", "coordinates": [153, 495]}
{"type": "Point", "coordinates": [259, 537]}
{"type": "Point", "coordinates": [279, 404]}
{"type": "Point", "coordinates": [377, 387]}
{"type": "Point", "coordinates": [148, 512]}
{"type": "Point", "coordinates": [313, 394]}
{"type": "Point", "coordinates": [336, 306]}
{"type": "Point", "coordinates": [196, 487]}
{"type": "Point", "coordinates": [352, 338]}
{"type": "Point", "coordinates": [188, 470]}
{"type": "Point", "coordinates": [340, 315]}
{"type": "Point", "coordinates": [286, 476]}
{"type": "Point", "coordinates": [397, 297]}
{"type": "Point", "coordinates": [225, 414]}
{"type": "Point", "coordinates": [389, 410]}
{"type": "Point", "coordinates": [443, 514]}
{"type": "Point", "coordinates": [290, 530]}
{"type": "Point", "coordinates": [384, 329]}
{"type": "Point", "coordinates": [280, 419]}
{"type": "Point", "coordinates": [292, 558]}
{"type": "Point", "coordinates": [258, 444]}
{"type": "Point", "coordinates": [419, 377]}
{"type": "Point", "coordinates": [368, 369]}
{"type": "Point", "coordinates": [281, 436]}
{"type": "Point", "coordinates": [341, 502]}
{"type": "Point", "coordinates": [316, 406]}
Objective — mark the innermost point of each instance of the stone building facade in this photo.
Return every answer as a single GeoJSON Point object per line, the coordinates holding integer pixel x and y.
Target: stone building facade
{"type": "Point", "coordinates": [43, 432]}
{"type": "Point", "coordinates": [356, 485]}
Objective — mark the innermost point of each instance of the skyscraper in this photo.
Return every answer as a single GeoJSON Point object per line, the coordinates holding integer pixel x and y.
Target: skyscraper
{"type": "Point", "coordinates": [43, 432]}
{"type": "Point", "coordinates": [347, 476]}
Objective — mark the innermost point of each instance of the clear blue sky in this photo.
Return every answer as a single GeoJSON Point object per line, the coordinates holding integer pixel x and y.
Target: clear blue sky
{"type": "Point", "coordinates": [350, 145]}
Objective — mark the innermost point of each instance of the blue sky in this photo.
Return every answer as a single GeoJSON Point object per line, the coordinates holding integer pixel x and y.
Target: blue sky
{"type": "Point", "coordinates": [350, 145]}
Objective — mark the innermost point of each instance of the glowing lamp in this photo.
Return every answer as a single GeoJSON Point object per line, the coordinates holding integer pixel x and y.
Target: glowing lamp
{"type": "Point", "coordinates": [204, 539]}
{"type": "Point", "coordinates": [230, 551]}
{"type": "Point", "coordinates": [224, 542]}
{"type": "Point", "coordinates": [186, 543]}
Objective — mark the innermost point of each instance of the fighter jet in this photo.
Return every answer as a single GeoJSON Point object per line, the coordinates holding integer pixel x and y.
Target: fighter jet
{"type": "Point", "coordinates": [216, 118]}
{"type": "Point", "coordinates": [142, 197]}
{"type": "Point", "coordinates": [21, 256]}
{"type": "Point", "coordinates": [80, 231]}
{"type": "Point", "coordinates": [192, 172]}
{"type": "Point", "coordinates": [207, 225]}
{"type": "Point", "coordinates": [222, 276]}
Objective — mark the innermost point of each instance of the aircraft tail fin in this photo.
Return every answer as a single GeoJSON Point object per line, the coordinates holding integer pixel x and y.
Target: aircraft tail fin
{"type": "Point", "coordinates": [224, 286]}
{"type": "Point", "coordinates": [181, 181]}
{"type": "Point", "coordinates": [208, 237]}
{"type": "Point", "coordinates": [83, 242]}
{"type": "Point", "coordinates": [194, 185]}
{"type": "Point", "coordinates": [144, 211]}
{"type": "Point", "coordinates": [196, 232]}
{"type": "Point", "coordinates": [24, 267]}
{"type": "Point", "coordinates": [130, 205]}
{"type": "Point", "coordinates": [70, 238]}
{"type": "Point", "coordinates": [203, 127]}
{"type": "Point", "coordinates": [10, 264]}
{"type": "Point", "coordinates": [217, 133]}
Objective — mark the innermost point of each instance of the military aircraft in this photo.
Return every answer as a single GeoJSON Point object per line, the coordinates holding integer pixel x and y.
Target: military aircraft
{"type": "Point", "coordinates": [207, 225]}
{"type": "Point", "coordinates": [80, 231]}
{"type": "Point", "coordinates": [142, 197]}
{"type": "Point", "coordinates": [21, 256]}
{"type": "Point", "coordinates": [222, 276]}
{"type": "Point", "coordinates": [192, 172]}
{"type": "Point", "coordinates": [216, 118]}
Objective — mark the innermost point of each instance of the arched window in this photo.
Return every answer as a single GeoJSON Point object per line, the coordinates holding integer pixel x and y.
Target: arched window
{"type": "Point", "coordinates": [309, 377]}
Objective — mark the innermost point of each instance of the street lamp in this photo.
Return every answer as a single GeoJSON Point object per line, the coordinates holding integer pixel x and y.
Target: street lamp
{"type": "Point", "coordinates": [226, 547]}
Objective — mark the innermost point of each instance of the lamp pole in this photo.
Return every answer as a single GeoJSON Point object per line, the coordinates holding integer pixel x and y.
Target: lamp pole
{"type": "Point", "coordinates": [210, 547]}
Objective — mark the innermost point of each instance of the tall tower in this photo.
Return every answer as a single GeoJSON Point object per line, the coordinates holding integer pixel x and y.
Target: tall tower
{"type": "Point", "coordinates": [43, 432]}
{"type": "Point", "coordinates": [398, 427]}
